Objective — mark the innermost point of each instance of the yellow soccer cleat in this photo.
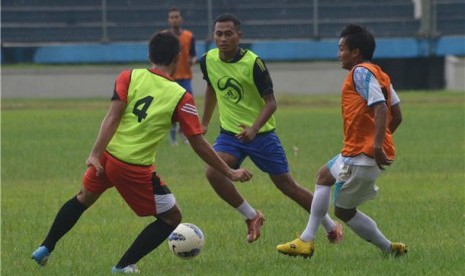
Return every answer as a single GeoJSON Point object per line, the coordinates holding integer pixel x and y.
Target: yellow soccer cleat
{"type": "Point", "coordinates": [297, 247]}
{"type": "Point", "coordinates": [398, 249]}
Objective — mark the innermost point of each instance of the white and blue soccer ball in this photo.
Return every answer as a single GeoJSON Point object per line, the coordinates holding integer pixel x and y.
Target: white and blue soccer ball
{"type": "Point", "coordinates": [186, 241]}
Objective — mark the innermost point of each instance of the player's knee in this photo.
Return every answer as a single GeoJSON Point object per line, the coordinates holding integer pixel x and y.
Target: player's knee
{"type": "Point", "coordinates": [324, 177]}
{"type": "Point", "coordinates": [176, 217]}
{"type": "Point", "coordinates": [175, 220]}
{"type": "Point", "coordinates": [172, 217]}
{"type": "Point", "coordinates": [87, 198]}
{"type": "Point", "coordinates": [344, 214]}
{"type": "Point", "coordinates": [289, 188]}
{"type": "Point", "coordinates": [285, 183]}
{"type": "Point", "coordinates": [211, 174]}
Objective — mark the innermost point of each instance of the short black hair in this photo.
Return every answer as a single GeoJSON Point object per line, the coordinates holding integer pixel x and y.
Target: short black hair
{"type": "Point", "coordinates": [358, 37]}
{"type": "Point", "coordinates": [227, 17]}
{"type": "Point", "coordinates": [175, 9]}
{"type": "Point", "coordinates": [163, 48]}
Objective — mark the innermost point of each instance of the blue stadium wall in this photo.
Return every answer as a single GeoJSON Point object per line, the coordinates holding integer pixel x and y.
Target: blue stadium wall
{"type": "Point", "coordinates": [289, 50]}
{"type": "Point", "coordinates": [412, 63]}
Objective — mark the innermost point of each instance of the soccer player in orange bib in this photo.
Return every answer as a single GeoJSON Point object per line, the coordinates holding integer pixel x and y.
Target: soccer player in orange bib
{"type": "Point", "coordinates": [187, 57]}
{"type": "Point", "coordinates": [144, 105]}
{"type": "Point", "coordinates": [371, 113]}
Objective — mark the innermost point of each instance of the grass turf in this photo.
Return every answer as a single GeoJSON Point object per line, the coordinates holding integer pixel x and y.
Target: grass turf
{"type": "Point", "coordinates": [45, 144]}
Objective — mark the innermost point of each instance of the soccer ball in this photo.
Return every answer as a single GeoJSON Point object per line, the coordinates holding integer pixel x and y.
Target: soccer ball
{"type": "Point", "coordinates": [186, 241]}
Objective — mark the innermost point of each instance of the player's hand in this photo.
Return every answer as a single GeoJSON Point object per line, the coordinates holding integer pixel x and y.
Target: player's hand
{"type": "Point", "coordinates": [193, 60]}
{"type": "Point", "coordinates": [247, 134]}
{"type": "Point", "coordinates": [381, 158]}
{"type": "Point", "coordinates": [241, 175]}
{"type": "Point", "coordinates": [94, 161]}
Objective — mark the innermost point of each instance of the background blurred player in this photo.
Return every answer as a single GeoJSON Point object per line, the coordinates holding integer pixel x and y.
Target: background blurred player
{"type": "Point", "coordinates": [188, 57]}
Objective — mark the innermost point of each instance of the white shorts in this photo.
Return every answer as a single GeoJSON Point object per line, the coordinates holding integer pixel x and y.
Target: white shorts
{"type": "Point", "coordinates": [355, 184]}
{"type": "Point", "coordinates": [164, 202]}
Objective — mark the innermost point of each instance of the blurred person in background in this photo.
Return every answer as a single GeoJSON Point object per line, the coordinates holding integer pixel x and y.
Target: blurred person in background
{"type": "Point", "coordinates": [188, 57]}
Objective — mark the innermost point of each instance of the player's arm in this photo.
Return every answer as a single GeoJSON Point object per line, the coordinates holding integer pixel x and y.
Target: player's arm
{"type": "Point", "coordinates": [264, 85]}
{"type": "Point", "coordinates": [396, 113]}
{"type": "Point", "coordinates": [186, 115]}
{"type": "Point", "coordinates": [192, 52]}
{"type": "Point", "coordinates": [111, 121]}
{"type": "Point", "coordinates": [203, 149]}
{"type": "Point", "coordinates": [396, 117]}
{"type": "Point", "coordinates": [368, 87]}
{"type": "Point", "coordinates": [248, 133]}
{"type": "Point", "coordinates": [380, 111]}
{"type": "Point", "coordinates": [107, 130]}
{"type": "Point", "coordinates": [210, 100]}
{"type": "Point", "coordinates": [208, 107]}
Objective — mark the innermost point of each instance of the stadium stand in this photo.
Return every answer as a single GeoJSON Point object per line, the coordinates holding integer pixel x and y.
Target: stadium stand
{"type": "Point", "coordinates": [108, 31]}
{"type": "Point", "coordinates": [450, 17]}
{"type": "Point", "coordinates": [48, 21]}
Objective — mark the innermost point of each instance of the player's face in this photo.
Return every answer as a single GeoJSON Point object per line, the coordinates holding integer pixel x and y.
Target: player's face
{"type": "Point", "coordinates": [347, 57]}
{"type": "Point", "coordinates": [226, 37]}
{"type": "Point", "coordinates": [175, 19]}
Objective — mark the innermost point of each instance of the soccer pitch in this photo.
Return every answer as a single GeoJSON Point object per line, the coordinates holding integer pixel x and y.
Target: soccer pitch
{"type": "Point", "coordinates": [421, 200]}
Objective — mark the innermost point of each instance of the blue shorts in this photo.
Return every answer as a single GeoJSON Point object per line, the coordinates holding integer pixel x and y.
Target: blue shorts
{"type": "Point", "coordinates": [265, 151]}
{"type": "Point", "coordinates": [186, 84]}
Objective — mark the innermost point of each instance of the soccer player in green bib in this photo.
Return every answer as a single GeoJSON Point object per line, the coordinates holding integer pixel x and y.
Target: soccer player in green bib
{"type": "Point", "coordinates": [144, 105]}
{"type": "Point", "coordinates": [239, 82]}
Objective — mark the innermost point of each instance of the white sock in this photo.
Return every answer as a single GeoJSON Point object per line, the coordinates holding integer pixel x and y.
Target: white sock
{"type": "Point", "coordinates": [318, 212]}
{"type": "Point", "coordinates": [328, 223]}
{"type": "Point", "coordinates": [366, 228]}
{"type": "Point", "coordinates": [246, 210]}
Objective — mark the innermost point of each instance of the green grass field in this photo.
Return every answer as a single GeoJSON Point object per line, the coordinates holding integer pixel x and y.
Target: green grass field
{"type": "Point", "coordinates": [421, 199]}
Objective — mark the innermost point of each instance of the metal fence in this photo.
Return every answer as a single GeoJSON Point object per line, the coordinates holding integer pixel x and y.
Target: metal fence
{"type": "Point", "coordinates": [71, 21]}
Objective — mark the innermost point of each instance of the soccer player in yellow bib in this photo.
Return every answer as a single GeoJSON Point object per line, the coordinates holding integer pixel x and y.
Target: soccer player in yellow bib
{"type": "Point", "coordinates": [144, 105]}
{"type": "Point", "coordinates": [371, 113]}
{"type": "Point", "coordinates": [239, 82]}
